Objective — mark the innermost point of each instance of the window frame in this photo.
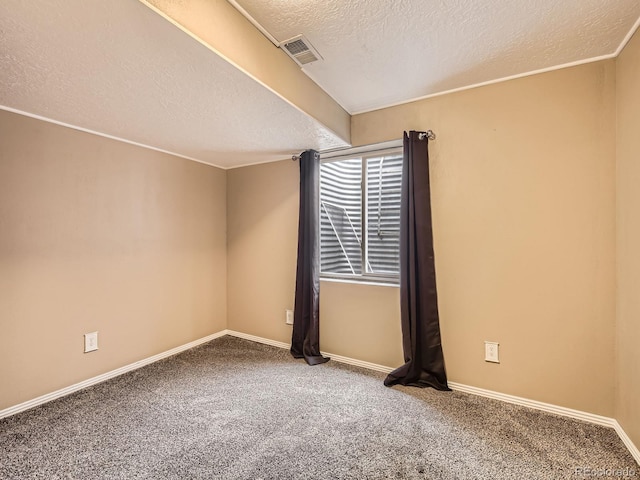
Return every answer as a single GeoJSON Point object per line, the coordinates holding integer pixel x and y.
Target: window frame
{"type": "Point", "coordinates": [364, 154]}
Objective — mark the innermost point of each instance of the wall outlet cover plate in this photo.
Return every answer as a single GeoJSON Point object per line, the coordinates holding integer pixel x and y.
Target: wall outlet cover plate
{"type": "Point", "coordinates": [90, 342]}
{"type": "Point", "coordinates": [491, 352]}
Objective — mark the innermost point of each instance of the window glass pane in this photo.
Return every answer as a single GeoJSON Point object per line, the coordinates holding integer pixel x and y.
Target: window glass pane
{"type": "Point", "coordinates": [340, 217]}
{"type": "Point", "coordinates": [384, 178]}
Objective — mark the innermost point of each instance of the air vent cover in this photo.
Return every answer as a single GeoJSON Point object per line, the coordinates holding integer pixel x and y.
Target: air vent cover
{"type": "Point", "coordinates": [300, 50]}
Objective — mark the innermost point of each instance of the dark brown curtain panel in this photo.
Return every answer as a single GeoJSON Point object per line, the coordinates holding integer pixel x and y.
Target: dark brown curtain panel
{"type": "Point", "coordinates": [305, 341]}
{"type": "Point", "coordinates": [424, 362]}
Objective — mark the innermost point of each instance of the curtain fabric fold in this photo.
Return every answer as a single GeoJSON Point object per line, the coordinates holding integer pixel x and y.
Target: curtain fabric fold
{"type": "Point", "coordinates": [305, 340]}
{"type": "Point", "coordinates": [424, 360]}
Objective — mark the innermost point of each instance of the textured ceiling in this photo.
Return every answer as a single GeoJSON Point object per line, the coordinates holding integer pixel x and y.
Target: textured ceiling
{"type": "Point", "coordinates": [381, 52]}
{"type": "Point", "coordinates": [120, 69]}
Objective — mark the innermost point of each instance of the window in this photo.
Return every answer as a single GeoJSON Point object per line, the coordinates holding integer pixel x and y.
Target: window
{"type": "Point", "coordinates": [360, 215]}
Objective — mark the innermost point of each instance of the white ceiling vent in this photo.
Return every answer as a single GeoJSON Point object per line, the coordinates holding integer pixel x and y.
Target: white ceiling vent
{"type": "Point", "coordinates": [301, 50]}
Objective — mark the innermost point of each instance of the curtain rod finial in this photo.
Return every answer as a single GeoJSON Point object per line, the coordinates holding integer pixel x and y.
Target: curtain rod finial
{"type": "Point", "coordinates": [428, 134]}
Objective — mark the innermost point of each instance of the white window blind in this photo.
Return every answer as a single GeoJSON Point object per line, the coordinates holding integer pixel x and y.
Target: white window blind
{"type": "Point", "coordinates": [360, 216]}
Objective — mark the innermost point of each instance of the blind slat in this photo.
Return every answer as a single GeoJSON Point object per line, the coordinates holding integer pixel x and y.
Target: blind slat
{"type": "Point", "coordinates": [341, 215]}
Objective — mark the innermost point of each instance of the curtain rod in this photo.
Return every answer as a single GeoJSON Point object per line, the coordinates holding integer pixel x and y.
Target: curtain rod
{"type": "Point", "coordinates": [421, 136]}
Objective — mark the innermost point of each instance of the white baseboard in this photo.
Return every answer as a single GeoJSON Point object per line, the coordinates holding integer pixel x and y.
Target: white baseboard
{"type": "Point", "coordinates": [253, 338]}
{"type": "Point", "coordinates": [525, 402]}
{"type": "Point", "coordinates": [105, 376]}
{"type": "Point", "coordinates": [627, 441]}
{"type": "Point", "coordinates": [545, 407]}
{"type": "Point", "coordinates": [337, 358]}
{"type": "Point", "coordinates": [358, 363]}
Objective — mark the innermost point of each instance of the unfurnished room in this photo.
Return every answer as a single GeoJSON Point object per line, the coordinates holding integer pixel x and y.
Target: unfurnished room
{"type": "Point", "coordinates": [304, 239]}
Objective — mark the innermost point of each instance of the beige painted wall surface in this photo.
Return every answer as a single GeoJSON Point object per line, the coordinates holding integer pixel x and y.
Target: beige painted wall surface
{"type": "Point", "coordinates": [358, 321]}
{"type": "Point", "coordinates": [361, 321]}
{"type": "Point", "coordinates": [523, 190]}
{"type": "Point", "coordinates": [262, 239]}
{"type": "Point", "coordinates": [100, 235]}
{"type": "Point", "coordinates": [628, 223]}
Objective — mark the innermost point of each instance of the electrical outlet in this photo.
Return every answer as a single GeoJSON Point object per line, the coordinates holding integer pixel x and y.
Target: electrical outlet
{"type": "Point", "coordinates": [289, 317]}
{"type": "Point", "coordinates": [491, 352]}
{"type": "Point", "coordinates": [90, 342]}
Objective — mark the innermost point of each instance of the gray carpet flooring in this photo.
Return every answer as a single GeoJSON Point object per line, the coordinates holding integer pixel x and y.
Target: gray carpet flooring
{"type": "Point", "coordinates": [234, 409]}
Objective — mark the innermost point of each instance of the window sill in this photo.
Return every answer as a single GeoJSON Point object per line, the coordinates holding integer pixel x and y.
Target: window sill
{"type": "Point", "coordinates": [367, 281]}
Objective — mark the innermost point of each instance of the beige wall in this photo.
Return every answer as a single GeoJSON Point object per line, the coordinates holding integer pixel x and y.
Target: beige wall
{"type": "Point", "coordinates": [361, 321]}
{"type": "Point", "coordinates": [628, 224]}
{"type": "Point", "coordinates": [524, 207]}
{"type": "Point", "coordinates": [262, 236]}
{"type": "Point", "coordinates": [100, 235]}
{"type": "Point", "coordinates": [262, 243]}
{"type": "Point", "coordinates": [523, 190]}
